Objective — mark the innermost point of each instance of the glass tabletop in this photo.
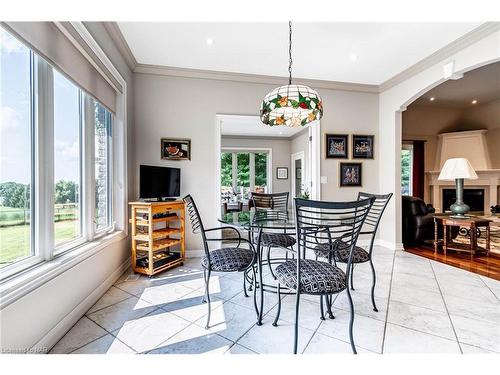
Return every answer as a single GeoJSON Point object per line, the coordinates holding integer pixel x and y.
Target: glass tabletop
{"type": "Point", "coordinates": [260, 218]}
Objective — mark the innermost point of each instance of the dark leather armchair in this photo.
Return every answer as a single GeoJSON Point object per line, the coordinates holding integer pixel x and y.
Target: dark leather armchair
{"type": "Point", "coordinates": [418, 222]}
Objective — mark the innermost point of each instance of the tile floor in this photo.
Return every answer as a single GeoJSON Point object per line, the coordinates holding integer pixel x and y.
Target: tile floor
{"type": "Point", "coordinates": [424, 307]}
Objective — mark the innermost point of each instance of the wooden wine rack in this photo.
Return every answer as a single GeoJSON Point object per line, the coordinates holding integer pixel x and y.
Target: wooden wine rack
{"type": "Point", "coordinates": [158, 240]}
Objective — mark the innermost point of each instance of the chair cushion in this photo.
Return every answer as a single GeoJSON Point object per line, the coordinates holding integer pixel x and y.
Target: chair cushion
{"type": "Point", "coordinates": [316, 277]}
{"type": "Point", "coordinates": [359, 255]}
{"type": "Point", "coordinates": [228, 259]}
{"type": "Point", "coordinates": [275, 239]}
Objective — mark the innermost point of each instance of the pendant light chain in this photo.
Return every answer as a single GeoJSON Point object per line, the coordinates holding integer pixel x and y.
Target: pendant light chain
{"type": "Point", "coordinates": [291, 105]}
{"type": "Point", "coordinates": [290, 61]}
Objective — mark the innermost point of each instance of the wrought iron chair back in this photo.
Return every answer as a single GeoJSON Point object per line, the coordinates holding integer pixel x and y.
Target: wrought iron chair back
{"type": "Point", "coordinates": [196, 223]}
{"type": "Point", "coordinates": [337, 224]}
{"type": "Point", "coordinates": [372, 220]}
{"type": "Point", "coordinates": [276, 201]}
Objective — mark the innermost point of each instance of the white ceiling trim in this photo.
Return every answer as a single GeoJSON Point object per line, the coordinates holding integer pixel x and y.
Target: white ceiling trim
{"type": "Point", "coordinates": [443, 53]}
{"type": "Point", "coordinates": [464, 41]}
{"type": "Point", "coordinates": [252, 78]}
{"type": "Point", "coordinates": [120, 42]}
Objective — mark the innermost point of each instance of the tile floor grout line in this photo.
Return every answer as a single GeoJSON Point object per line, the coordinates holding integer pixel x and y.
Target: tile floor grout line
{"type": "Point", "coordinates": [312, 336]}
{"type": "Point", "coordinates": [107, 333]}
{"type": "Point", "coordinates": [73, 326]}
{"type": "Point", "coordinates": [419, 331]}
{"type": "Point", "coordinates": [246, 347]}
{"type": "Point", "coordinates": [446, 307]}
{"type": "Point", "coordinates": [105, 307]}
{"type": "Point", "coordinates": [487, 286]}
{"type": "Point", "coordinates": [479, 347]}
{"type": "Point", "coordinates": [388, 302]}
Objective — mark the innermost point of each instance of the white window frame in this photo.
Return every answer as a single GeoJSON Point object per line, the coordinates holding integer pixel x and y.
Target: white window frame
{"type": "Point", "coordinates": [97, 233]}
{"type": "Point", "coordinates": [251, 151]}
{"type": "Point", "coordinates": [409, 147]}
{"type": "Point", "coordinates": [21, 277]}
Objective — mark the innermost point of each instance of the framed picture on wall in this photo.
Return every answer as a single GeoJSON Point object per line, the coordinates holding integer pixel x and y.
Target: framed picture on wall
{"type": "Point", "coordinates": [350, 174]}
{"type": "Point", "coordinates": [336, 146]}
{"type": "Point", "coordinates": [175, 149]}
{"type": "Point", "coordinates": [282, 173]}
{"type": "Point", "coordinates": [362, 146]}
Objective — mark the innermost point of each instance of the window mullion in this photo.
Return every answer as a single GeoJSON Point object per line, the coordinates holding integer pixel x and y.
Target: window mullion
{"type": "Point", "coordinates": [111, 174]}
{"type": "Point", "coordinates": [88, 154]}
{"type": "Point", "coordinates": [252, 171]}
{"type": "Point", "coordinates": [44, 163]}
{"type": "Point", "coordinates": [234, 173]}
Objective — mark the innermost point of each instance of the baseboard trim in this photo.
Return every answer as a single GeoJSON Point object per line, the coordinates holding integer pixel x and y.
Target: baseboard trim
{"type": "Point", "coordinates": [390, 245]}
{"type": "Point", "coordinates": [56, 333]}
{"type": "Point", "coordinates": [195, 253]}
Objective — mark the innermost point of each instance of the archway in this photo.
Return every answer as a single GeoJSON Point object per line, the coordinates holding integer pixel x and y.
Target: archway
{"type": "Point", "coordinates": [392, 104]}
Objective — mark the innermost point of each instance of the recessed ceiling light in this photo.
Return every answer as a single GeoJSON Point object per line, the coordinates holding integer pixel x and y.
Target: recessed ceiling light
{"type": "Point", "coordinates": [281, 132]}
{"type": "Point", "coordinates": [432, 98]}
{"type": "Point", "coordinates": [474, 101]}
{"type": "Point", "coordinates": [210, 41]}
{"type": "Point", "coordinates": [353, 57]}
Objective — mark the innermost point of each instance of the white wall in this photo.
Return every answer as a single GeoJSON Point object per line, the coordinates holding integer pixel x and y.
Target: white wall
{"type": "Point", "coordinates": [186, 108]}
{"type": "Point", "coordinates": [395, 100]}
{"type": "Point", "coordinates": [44, 315]}
{"type": "Point", "coordinates": [280, 155]}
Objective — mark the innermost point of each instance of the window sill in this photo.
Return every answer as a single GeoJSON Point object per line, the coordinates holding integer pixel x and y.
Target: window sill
{"type": "Point", "coordinates": [18, 286]}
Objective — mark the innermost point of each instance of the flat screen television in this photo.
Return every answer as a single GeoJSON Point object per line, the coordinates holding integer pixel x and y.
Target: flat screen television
{"type": "Point", "coordinates": [159, 182]}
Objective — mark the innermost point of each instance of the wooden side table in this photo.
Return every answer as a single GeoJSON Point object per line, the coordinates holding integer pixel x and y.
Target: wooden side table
{"type": "Point", "coordinates": [471, 224]}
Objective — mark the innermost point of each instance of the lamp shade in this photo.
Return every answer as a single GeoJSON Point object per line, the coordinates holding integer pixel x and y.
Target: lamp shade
{"type": "Point", "coordinates": [457, 168]}
{"type": "Point", "coordinates": [291, 105]}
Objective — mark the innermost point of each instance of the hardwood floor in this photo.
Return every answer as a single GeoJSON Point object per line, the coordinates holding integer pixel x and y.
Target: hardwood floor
{"type": "Point", "coordinates": [481, 264]}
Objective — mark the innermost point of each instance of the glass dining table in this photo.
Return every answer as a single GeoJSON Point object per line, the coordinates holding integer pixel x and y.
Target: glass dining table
{"type": "Point", "coordinates": [257, 222]}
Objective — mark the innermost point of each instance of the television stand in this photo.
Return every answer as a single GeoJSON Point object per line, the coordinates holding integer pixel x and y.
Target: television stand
{"type": "Point", "coordinates": [167, 199]}
{"type": "Point", "coordinates": [158, 236]}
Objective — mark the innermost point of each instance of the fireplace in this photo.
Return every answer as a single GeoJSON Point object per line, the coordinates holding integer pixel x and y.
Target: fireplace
{"type": "Point", "coordinates": [474, 198]}
{"type": "Point", "coordinates": [473, 146]}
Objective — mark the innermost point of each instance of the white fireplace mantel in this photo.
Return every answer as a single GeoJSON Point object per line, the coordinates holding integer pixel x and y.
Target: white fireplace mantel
{"type": "Point", "coordinates": [489, 180]}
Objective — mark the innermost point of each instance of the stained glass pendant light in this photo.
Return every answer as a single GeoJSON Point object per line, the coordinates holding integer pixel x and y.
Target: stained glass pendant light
{"type": "Point", "coordinates": [291, 105]}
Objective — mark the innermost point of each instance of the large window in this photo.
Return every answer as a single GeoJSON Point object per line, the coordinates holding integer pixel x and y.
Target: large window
{"type": "Point", "coordinates": [16, 180]}
{"type": "Point", "coordinates": [102, 167]}
{"type": "Point", "coordinates": [243, 172]}
{"type": "Point", "coordinates": [67, 160]}
{"type": "Point", "coordinates": [407, 169]}
{"type": "Point", "coordinates": [55, 154]}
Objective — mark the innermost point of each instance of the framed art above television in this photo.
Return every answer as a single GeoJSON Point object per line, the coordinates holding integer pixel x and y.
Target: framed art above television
{"type": "Point", "coordinates": [175, 149]}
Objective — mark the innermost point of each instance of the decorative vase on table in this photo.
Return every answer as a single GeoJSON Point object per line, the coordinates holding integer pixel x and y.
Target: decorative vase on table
{"type": "Point", "coordinates": [458, 169]}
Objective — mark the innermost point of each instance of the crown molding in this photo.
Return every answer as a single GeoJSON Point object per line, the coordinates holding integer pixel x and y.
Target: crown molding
{"type": "Point", "coordinates": [120, 43]}
{"type": "Point", "coordinates": [251, 78]}
{"type": "Point", "coordinates": [450, 49]}
{"type": "Point", "coordinates": [464, 41]}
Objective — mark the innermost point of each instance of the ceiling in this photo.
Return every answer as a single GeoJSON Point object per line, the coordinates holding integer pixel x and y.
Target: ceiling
{"type": "Point", "coordinates": [251, 126]}
{"type": "Point", "coordinates": [481, 84]}
{"type": "Point", "coordinates": [367, 53]}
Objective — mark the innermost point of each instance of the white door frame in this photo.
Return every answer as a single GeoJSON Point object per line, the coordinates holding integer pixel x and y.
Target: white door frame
{"type": "Point", "coordinates": [314, 158]}
{"type": "Point", "coordinates": [314, 169]}
{"type": "Point", "coordinates": [294, 157]}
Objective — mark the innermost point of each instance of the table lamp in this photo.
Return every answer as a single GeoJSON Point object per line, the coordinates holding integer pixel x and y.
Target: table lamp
{"type": "Point", "coordinates": [458, 169]}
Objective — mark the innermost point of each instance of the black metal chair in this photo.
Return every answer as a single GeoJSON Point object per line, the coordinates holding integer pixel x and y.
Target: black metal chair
{"type": "Point", "coordinates": [332, 223]}
{"type": "Point", "coordinates": [360, 255]}
{"type": "Point", "coordinates": [274, 201]}
{"type": "Point", "coordinates": [227, 259]}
